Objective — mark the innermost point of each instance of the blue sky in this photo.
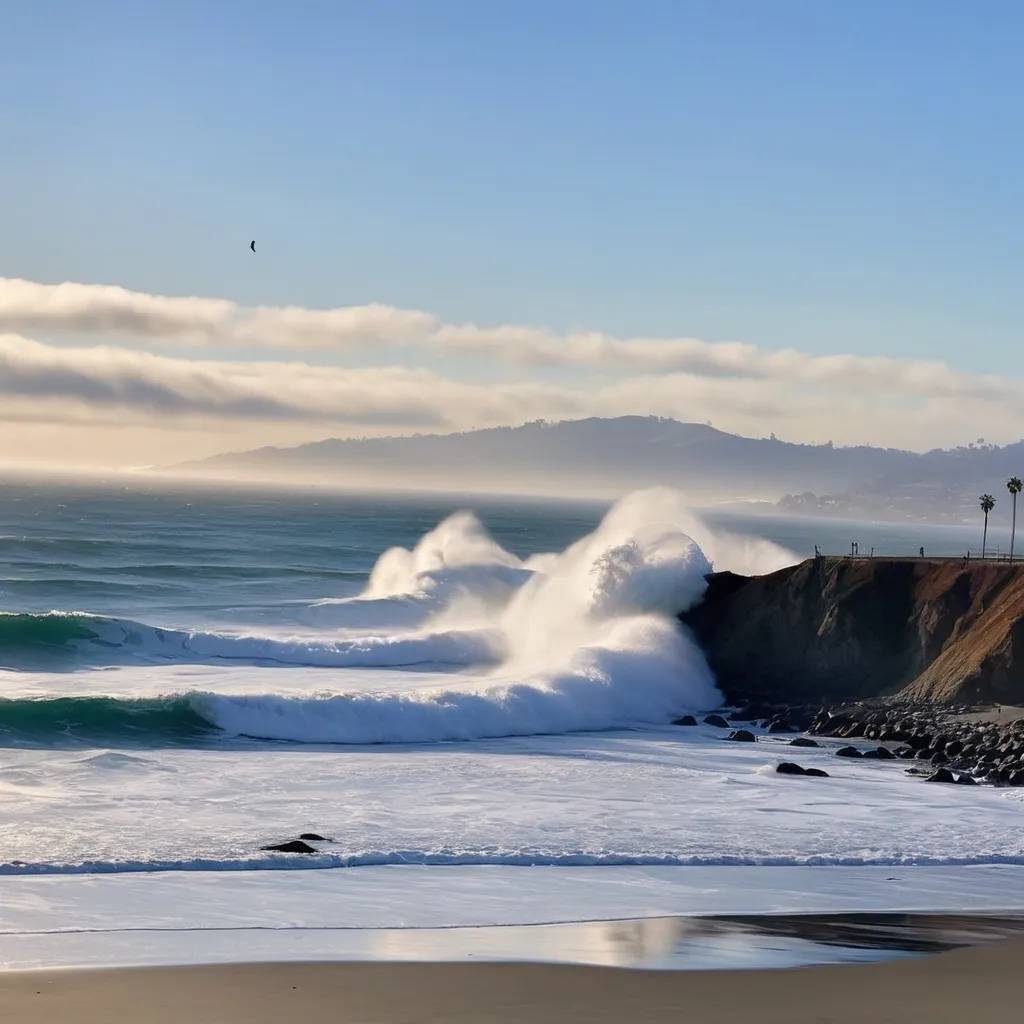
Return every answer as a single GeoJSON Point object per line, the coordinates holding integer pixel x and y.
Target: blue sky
{"type": "Point", "coordinates": [835, 177]}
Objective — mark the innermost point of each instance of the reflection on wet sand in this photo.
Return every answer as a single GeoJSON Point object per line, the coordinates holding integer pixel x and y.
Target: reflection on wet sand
{"type": "Point", "coordinates": [666, 943]}
{"type": "Point", "coordinates": [789, 940]}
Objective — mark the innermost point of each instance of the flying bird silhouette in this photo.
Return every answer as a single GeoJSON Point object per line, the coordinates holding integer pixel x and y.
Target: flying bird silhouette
{"type": "Point", "coordinates": [252, 245]}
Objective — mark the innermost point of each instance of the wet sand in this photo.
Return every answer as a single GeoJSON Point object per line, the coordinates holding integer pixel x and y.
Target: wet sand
{"type": "Point", "coordinates": [977, 985]}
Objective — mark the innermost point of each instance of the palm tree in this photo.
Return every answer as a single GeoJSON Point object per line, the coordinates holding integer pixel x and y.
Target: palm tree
{"type": "Point", "coordinates": [1014, 486]}
{"type": "Point", "coordinates": [987, 504]}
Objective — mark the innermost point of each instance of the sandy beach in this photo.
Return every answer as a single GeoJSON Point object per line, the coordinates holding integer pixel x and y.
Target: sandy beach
{"type": "Point", "coordinates": [979, 985]}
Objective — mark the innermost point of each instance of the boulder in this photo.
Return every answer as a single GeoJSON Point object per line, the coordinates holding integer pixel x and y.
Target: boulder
{"type": "Point", "coordinates": [717, 721]}
{"type": "Point", "coordinates": [312, 837]}
{"type": "Point", "coordinates": [942, 775]}
{"type": "Point", "coordinates": [818, 773]}
{"type": "Point", "coordinates": [965, 780]}
{"type": "Point", "coordinates": [803, 741]}
{"type": "Point", "coordinates": [880, 754]}
{"type": "Point", "coordinates": [789, 768]}
{"type": "Point", "coordinates": [742, 736]}
{"type": "Point", "coordinates": [781, 725]}
{"type": "Point", "coordinates": [848, 752]}
{"type": "Point", "coordinates": [685, 720]}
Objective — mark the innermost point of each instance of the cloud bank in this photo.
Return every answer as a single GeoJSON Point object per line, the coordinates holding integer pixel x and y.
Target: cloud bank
{"type": "Point", "coordinates": [739, 387]}
{"type": "Point", "coordinates": [221, 324]}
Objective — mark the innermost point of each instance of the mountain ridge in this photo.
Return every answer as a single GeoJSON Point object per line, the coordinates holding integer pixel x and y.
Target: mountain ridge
{"type": "Point", "coordinates": [604, 456]}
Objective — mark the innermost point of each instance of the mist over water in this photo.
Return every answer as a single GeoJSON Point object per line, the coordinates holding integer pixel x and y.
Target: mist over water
{"type": "Point", "coordinates": [584, 639]}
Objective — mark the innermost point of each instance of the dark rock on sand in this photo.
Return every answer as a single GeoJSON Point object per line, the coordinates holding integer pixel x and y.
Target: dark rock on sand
{"type": "Point", "coordinates": [880, 754]}
{"type": "Point", "coordinates": [717, 721]}
{"type": "Point", "coordinates": [789, 768]}
{"type": "Point", "coordinates": [293, 846]}
{"type": "Point", "coordinates": [685, 720]}
{"type": "Point", "coordinates": [848, 752]}
{"type": "Point", "coordinates": [803, 741]}
{"type": "Point", "coordinates": [742, 736]}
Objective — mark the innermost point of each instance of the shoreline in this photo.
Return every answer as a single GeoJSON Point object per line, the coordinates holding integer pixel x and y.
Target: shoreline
{"type": "Point", "coordinates": [980, 984]}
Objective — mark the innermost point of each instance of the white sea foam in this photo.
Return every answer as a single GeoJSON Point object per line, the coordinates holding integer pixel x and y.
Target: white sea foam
{"type": "Point", "coordinates": [591, 641]}
{"type": "Point", "coordinates": [588, 639]}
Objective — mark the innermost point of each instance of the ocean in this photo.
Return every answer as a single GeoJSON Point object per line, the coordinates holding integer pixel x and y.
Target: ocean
{"type": "Point", "coordinates": [468, 699]}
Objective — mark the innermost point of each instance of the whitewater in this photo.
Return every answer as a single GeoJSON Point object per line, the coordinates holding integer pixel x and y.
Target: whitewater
{"type": "Point", "coordinates": [186, 678]}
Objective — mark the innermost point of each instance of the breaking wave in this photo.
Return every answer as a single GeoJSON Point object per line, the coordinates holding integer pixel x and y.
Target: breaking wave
{"type": "Point", "coordinates": [587, 639]}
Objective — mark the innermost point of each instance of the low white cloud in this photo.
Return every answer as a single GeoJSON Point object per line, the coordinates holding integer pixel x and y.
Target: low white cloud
{"type": "Point", "coordinates": [53, 383]}
{"type": "Point", "coordinates": [105, 378]}
{"type": "Point", "coordinates": [221, 324]}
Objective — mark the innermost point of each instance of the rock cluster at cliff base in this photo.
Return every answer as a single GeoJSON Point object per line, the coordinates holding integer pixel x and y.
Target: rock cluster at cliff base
{"type": "Point", "coordinates": [956, 745]}
{"type": "Point", "coordinates": [964, 744]}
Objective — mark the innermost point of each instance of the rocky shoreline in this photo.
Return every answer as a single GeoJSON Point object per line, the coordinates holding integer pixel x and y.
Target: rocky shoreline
{"type": "Point", "coordinates": [981, 744]}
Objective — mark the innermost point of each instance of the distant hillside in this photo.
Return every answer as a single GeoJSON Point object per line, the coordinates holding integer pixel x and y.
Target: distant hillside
{"type": "Point", "coordinates": [605, 456]}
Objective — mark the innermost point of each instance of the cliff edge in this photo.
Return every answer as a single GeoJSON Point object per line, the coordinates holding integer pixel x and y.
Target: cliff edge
{"type": "Point", "coordinates": [841, 629]}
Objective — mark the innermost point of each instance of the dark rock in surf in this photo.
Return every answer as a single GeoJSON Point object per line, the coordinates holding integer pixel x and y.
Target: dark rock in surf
{"type": "Point", "coordinates": [742, 736]}
{"type": "Point", "coordinates": [789, 768]}
{"type": "Point", "coordinates": [817, 773]}
{"type": "Point", "coordinates": [942, 775]}
{"type": "Point", "coordinates": [314, 838]}
{"type": "Point", "coordinates": [848, 752]}
{"type": "Point", "coordinates": [965, 780]}
{"type": "Point", "coordinates": [685, 720]}
{"type": "Point", "coordinates": [803, 741]}
{"type": "Point", "coordinates": [717, 721]}
{"type": "Point", "coordinates": [880, 754]}
{"type": "Point", "coordinates": [293, 846]}
{"type": "Point", "coordinates": [782, 725]}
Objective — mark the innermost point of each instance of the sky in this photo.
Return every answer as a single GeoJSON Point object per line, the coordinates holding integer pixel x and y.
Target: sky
{"type": "Point", "coordinates": [794, 217]}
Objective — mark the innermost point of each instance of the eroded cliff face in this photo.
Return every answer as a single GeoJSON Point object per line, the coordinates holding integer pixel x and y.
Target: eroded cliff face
{"type": "Point", "coordinates": [838, 629]}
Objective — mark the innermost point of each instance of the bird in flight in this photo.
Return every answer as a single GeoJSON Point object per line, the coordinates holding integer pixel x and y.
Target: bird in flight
{"type": "Point", "coordinates": [252, 245]}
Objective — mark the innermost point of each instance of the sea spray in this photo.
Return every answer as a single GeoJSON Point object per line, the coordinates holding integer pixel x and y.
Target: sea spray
{"type": "Point", "coordinates": [583, 640]}
{"type": "Point", "coordinates": [591, 642]}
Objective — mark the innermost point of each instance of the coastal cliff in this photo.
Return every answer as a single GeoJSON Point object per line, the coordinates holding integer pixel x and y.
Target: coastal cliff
{"type": "Point", "coordinates": [841, 629]}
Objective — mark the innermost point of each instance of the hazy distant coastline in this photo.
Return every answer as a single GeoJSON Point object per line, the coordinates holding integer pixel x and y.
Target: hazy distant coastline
{"type": "Point", "coordinates": [604, 457]}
